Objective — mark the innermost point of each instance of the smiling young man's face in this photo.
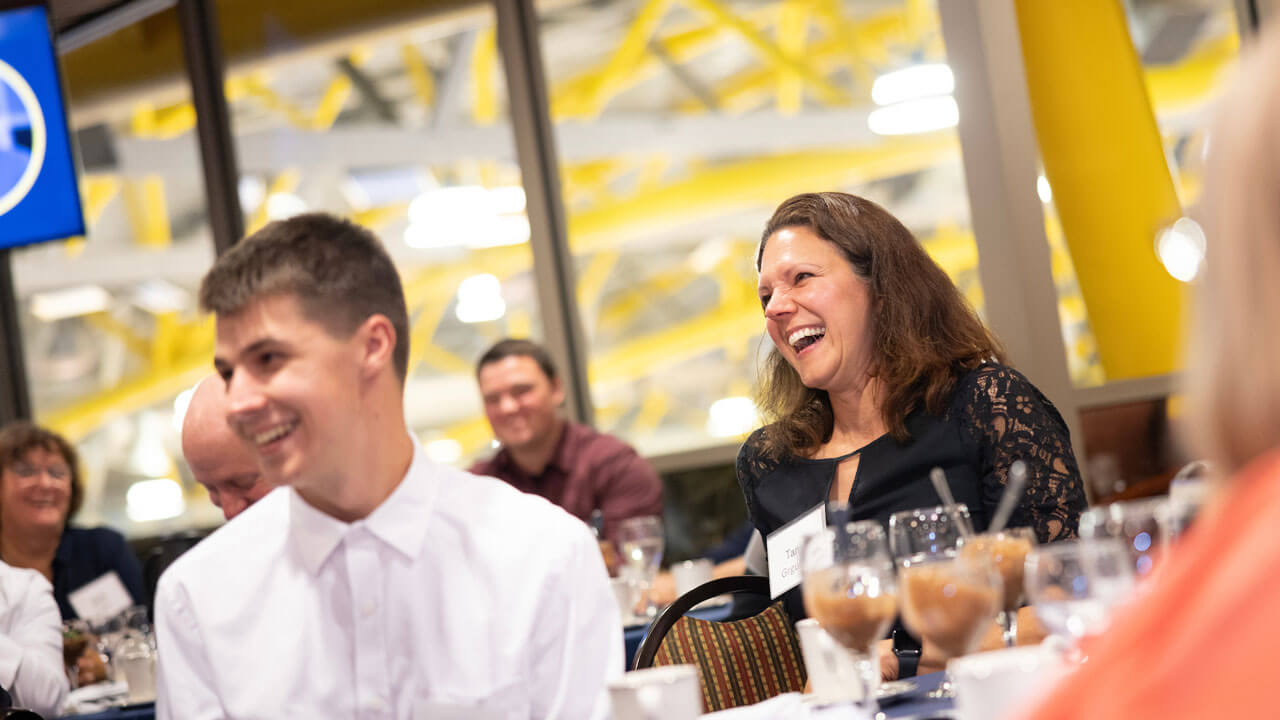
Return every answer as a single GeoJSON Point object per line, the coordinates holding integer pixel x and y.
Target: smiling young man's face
{"type": "Point", "coordinates": [817, 310]}
{"type": "Point", "coordinates": [293, 391]}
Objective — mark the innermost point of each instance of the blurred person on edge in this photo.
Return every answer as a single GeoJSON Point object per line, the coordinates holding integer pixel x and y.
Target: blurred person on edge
{"type": "Point", "coordinates": [568, 463]}
{"type": "Point", "coordinates": [30, 642]}
{"type": "Point", "coordinates": [880, 371]}
{"type": "Point", "coordinates": [377, 583]}
{"type": "Point", "coordinates": [219, 459]}
{"type": "Point", "coordinates": [1200, 639]}
{"type": "Point", "coordinates": [40, 491]}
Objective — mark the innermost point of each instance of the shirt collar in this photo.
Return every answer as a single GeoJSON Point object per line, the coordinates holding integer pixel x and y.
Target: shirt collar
{"type": "Point", "coordinates": [400, 521]}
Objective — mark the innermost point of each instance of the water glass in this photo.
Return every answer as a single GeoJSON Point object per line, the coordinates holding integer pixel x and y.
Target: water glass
{"type": "Point", "coordinates": [1136, 523]}
{"type": "Point", "coordinates": [1075, 584]}
{"type": "Point", "coordinates": [926, 531]}
{"type": "Point", "coordinates": [640, 543]}
{"type": "Point", "coordinates": [849, 587]}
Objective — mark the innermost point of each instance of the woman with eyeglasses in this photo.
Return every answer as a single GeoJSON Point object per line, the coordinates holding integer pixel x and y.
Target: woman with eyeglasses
{"type": "Point", "coordinates": [40, 490]}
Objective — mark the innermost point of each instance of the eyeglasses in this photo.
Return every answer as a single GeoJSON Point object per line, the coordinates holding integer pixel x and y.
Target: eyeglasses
{"type": "Point", "coordinates": [27, 471]}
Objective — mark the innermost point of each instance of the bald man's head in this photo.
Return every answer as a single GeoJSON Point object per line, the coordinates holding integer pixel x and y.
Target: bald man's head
{"type": "Point", "coordinates": [218, 459]}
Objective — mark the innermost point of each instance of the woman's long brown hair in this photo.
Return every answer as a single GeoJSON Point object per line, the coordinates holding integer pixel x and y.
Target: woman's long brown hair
{"type": "Point", "coordinates": [923, 330]}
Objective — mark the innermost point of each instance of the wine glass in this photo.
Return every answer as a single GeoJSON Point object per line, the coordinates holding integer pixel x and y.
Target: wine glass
{"type": "Point", "coordinates": [640, 543]}
{"type": "Point", "coordinates": [1008, 549]}
{"type": "Point", "coordinates": [849, 587]}
{"type": "Point", "coordinates": [1136, 523]}
{"type": "Point", "coordinates": [947, 598]}
{"type": "Point", "coordinates": [1074, 584]}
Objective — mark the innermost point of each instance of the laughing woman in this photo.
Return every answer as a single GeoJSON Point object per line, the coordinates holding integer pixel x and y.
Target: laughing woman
{"type": "Point", "coordinates": [880, 372]}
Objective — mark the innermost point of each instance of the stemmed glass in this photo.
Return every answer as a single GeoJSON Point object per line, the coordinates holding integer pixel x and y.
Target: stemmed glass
{"type": "Point", "coordinates": [1136, 523]}
{"type": "Point", "coordinates": [849, 587]}
{"type": "Point", "coordinates": [640, 543]}
{"type": "Point", "coordinates": [1074, 584]}
{"type": "Point", "coordinates": [1008, 550]}
{"type": "Point", "coordinates": [948, 598]}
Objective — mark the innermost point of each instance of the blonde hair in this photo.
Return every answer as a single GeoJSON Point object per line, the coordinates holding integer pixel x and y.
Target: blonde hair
{"type": "Point", "coordinates": [1233, 373]}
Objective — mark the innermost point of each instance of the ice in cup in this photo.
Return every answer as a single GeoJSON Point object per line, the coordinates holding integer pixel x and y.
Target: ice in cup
{"type": "Point", "coordinates": [950, 603]}
{"type": "Point", "coordinates": [855, 618]}
{"type": "Point", "coordinates": [1008, 551]}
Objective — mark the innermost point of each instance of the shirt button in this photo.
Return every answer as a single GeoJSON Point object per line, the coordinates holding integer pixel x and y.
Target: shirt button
{"type": "Point", "coordinates": [368, 609]}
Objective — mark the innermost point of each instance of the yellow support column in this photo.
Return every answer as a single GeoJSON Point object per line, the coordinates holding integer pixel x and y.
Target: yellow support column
{"type": "Point", "coordinates": [1104, 159]}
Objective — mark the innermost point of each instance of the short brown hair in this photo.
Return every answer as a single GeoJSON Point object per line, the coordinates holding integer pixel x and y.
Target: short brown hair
{"type": "Point", "coordinates": [21, 437]}
{"type": "Point", "coordinates": [923, 330]}
{"type": "Point", "coordinates": [339, 272]}
{"type": "Point", "coordinates": [518, 347]}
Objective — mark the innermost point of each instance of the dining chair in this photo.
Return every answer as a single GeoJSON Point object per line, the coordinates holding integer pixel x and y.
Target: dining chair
{"type": "Point", "coordinates": [741, 662]}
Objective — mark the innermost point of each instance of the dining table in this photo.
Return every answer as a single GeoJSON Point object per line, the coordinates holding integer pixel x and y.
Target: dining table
{"type": "Point", "coordinates": [140, 711]}
{"type": "Point", "coordinates": [912, 699]}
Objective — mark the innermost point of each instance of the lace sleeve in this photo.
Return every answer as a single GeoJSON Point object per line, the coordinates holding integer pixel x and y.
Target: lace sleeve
{"type": "Point", "coordinates": [1012, 420]}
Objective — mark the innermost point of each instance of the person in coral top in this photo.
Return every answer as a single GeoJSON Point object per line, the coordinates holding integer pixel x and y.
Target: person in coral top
{"type": "Point", "coordinates": [1200, 640]}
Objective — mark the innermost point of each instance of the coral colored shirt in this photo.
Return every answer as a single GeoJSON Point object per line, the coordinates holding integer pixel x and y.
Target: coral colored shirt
{"type": "Point", "coordinates": [589, 470]}
{"type": "Point", "coordinates": [1202, 639]}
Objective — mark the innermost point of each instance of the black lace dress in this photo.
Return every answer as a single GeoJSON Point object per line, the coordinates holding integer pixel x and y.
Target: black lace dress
{"type": "Point", "coordinates": [996, 416]}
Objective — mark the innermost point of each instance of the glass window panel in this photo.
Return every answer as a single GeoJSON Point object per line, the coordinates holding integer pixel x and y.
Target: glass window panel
{"type": "Point", "coordinates": [405, 130]}
{"type": "Point", "coordinates": [681, 126]}
{"type": "Point", "coordinates": [109, 325]}
{"type": "Point", "coordinates": [1186, 49]}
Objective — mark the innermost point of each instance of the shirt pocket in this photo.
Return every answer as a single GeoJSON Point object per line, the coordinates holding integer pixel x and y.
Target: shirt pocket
{"type": "Point", "coordinates": [510, 702]}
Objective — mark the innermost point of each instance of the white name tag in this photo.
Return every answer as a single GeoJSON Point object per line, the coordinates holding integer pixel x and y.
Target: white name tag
{"type": "Point", "coordinates": [784, 546]}
{"type": "Point", "coordinates": [101, 599]}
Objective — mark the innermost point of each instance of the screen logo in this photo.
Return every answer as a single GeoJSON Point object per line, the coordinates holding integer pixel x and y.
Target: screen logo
{"type": "Point", "coordinates": [22, 137]}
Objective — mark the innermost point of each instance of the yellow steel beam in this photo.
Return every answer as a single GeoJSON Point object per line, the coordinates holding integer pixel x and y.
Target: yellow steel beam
{"type": "Point", "coordinates": [793, 30]}
{"type": "Point", "coordinates": [653, 407]}
{"type": "Point", "coordinates": [568, 97]}
{"type": "Point", "coordinates": [593, 277]}
{"type": "Point", "coordinates": [376, 217]}
{"type": "Point", "coordinates": [484, 67]}
{"type": "Point", "coordinates": [1099, 141]}
{"type": "Point", "coordinates": [132, 341]}
{"type": "Point", "coordinates": [749, 185]}
{"type": "Point", "coordinates": [162, 123]}
{"type": "Point", "coordinates": [626, 57]}
{"type": "Point", "coordinates": [254, 85]}
{"type": "Point", "coordinates": [285, 182]}
{"type": "Point", "coordinates": [165, 339]}
{"type": "Point", "coordinates": [424, 84]}
{"type": "Point", "coordinates": [141, 391]}
{"type": "Point", "coordinates": [148, 215]}
{"type": "Point", "coordinates": [769, 52]}
{"type": "Point", "coordinates": [1196, 77]}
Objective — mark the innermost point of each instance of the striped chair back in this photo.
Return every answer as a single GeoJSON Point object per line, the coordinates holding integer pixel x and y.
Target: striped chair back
{"type": "Point", "coordinates": [742, 662]}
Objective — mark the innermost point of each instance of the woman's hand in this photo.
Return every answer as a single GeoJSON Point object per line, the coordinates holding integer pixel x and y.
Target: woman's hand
{"type": "Point", "coordinates": [1030, 632]}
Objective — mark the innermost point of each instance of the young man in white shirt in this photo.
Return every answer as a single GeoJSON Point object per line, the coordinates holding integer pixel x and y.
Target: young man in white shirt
{"type": "Point", "coordinates": [30, 641]}
{"type": "Point", "coordinates": [378, 585]}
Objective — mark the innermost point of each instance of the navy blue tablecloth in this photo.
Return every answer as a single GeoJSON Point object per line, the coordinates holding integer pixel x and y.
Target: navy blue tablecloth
{"type": "Point", "coordinates": [916, 703]}
{"type": "Point", "coordinates": [141, 711]}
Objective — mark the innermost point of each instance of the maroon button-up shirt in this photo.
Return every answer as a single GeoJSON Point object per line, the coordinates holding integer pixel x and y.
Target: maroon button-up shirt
{"type": "Point", "coordinates": [589, 470]}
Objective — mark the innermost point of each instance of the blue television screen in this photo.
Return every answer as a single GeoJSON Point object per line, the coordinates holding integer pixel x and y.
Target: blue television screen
{"type": "Point", "coordinates": [39, 198]}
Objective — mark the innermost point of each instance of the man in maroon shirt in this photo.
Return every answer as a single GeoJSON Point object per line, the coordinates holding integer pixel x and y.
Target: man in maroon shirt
{"type": "Point", "coordinates": [570, 464]}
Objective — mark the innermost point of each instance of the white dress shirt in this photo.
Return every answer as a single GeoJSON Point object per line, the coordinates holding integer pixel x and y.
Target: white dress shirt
{"type": "Point", "coordinates": [30, 641]}
{"type": "Point", "coordinates": [459, 596]}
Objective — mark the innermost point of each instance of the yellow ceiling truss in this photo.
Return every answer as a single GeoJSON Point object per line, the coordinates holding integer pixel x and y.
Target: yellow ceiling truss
{"type": "Point", "coordinates": [798, 46]}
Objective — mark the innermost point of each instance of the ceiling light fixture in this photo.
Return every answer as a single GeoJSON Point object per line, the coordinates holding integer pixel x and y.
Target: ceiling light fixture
{"type": "Point", "coordinates": [913, 83]}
